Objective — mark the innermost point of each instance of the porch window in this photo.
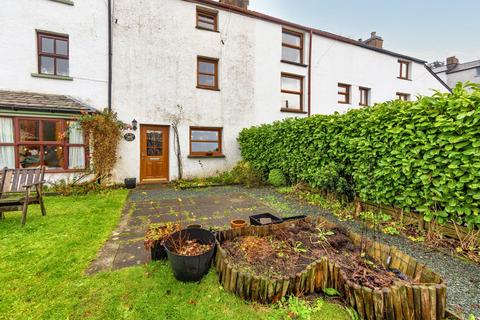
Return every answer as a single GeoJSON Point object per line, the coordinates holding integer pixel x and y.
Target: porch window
{"type": "Point", "coordinates": [207, 73]}
{"type": "Point", "coordinates": [57, 144]}
{"type": "Point", "coordinates": [292, 92]}
{"type": "Point", "coordinates": [292, 46]}
{"type": "Point", "coordinates": [53, 54]}
{"type": "Point", "coordinates": [205, 141]}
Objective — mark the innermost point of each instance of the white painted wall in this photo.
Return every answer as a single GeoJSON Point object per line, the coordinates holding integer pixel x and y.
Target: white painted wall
{"type": "Point", "coordinates": [86, 24]}
{"type": "Point", "coordinates": [463, 76]}
{"type": "Point", "coordinates": [155, 54]}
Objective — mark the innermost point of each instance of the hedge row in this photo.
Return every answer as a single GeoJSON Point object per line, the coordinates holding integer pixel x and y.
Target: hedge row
{"type": "Point", "coordinates": [422, 155]}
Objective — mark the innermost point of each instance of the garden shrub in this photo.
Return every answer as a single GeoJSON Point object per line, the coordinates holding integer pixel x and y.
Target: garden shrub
{"type": "Point", "coordinates": [422, 156]}
{"type": "Point", "coordinates": [276, 178]}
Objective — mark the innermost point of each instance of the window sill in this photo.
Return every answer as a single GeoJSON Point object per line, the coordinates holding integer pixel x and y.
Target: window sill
{"type": "Point", "coordinates": [205, 156]}
{"type": "Point", "coordinates": [343, 102]}
{"type": "Point", "coordinates": [294, 63]}
{"type": "Point", "coordinates": [51, 76]}
{"type": "Point", "coordinates": [404, 78]}
{"type": "Point", "coordinates": [206, 29]}
{"type": "Point", "coordinates": [293, 111]}
{"type": "Point", "coordinates": [208, 88]}
{"type": "Point", "coordinates": [69, 2]}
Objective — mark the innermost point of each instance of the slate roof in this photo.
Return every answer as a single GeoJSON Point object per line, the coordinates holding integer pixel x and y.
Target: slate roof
{"type": "Point", "coordinates": [17, 100]}
{"type": "Point", "coordinates": [459, 67]}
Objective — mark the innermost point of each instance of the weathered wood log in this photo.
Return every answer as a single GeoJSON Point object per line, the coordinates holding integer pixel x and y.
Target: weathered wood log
{"type": "Point", "coordinates": [255, 288]}
{"type": "Point", "coordinates": [318, 275]}
{"type": "Point", "coordinates": [396, 301]}
{"type": "Point", "coordinates": [402, 292]}
{"type": "Point", "coordinates": [378, 304]}
{"type": "Point", "coordinates": [248, 286]}
{"type": "Point", "coordinates": [388, 304]}
{"type": "Point", "coordinates": [368, 302]}
{"type": "Point", "coordinates": [417, 298]}
{"type": "Point", "coordinates": [359, 302]}
{"type": "Point", "coordinates": [425, 296]}
{"type": "Point", "coordinates": [441, 300]}
{"type": "Point", "coordinates": [233, 280]}
{"type": "Point", "coordinates": [239, 285]}
{"type": "Point", "coordinates": [433, 302]}
{"type": "Point", "coordinates": [410, 301]}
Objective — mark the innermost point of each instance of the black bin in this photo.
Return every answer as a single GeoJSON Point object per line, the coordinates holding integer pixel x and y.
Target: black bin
{"type": "Point", "coordinates": [191, 268]}
{"type": "Point", "coordinates": [255, 220]}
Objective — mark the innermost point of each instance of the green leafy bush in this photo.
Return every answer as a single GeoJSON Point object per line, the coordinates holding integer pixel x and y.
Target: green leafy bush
{"type": "Point", "coordinates": [276, 178]}
{"type": "Point", "coordinates": [420, 156]}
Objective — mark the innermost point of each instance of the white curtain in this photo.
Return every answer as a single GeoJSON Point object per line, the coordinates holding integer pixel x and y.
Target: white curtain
{"type": "Point", "coordinates": [7, 153]}
{"type": "Point", "coordinates": [76, 155]}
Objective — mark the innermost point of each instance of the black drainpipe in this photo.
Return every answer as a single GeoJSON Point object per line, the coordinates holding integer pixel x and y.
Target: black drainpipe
{"type": "Point", "coordinates": [109, 55]}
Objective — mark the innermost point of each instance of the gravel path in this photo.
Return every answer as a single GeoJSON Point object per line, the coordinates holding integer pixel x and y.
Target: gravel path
{"type": "Point", "coordinates": [462, 277]}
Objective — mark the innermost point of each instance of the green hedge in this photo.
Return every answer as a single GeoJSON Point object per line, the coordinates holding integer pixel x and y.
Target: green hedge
{"type": "Point", "coordinates": [422, 155]}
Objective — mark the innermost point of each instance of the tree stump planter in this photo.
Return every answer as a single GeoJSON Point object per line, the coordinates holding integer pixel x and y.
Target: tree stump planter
{"type": "Point", "coordinates": [425, 299]}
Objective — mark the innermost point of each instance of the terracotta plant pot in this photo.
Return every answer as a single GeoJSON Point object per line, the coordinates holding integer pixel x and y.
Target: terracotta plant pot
{"type": "Point", "coordinates": [238, 223]}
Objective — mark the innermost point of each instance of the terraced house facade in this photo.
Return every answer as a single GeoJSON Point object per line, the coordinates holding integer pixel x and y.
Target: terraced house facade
{"type": "Point", "coordinates": [213, 67]}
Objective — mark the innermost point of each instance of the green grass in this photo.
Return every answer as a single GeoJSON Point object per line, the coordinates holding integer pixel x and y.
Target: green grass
{"type": "Point", "coordinates": [42, 265]}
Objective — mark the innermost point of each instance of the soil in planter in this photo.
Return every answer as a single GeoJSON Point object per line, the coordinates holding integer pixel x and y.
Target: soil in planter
{"type": "Point", "coordinates": [288, 251]}
{"type": "Point", "coordinates": [191, 248]}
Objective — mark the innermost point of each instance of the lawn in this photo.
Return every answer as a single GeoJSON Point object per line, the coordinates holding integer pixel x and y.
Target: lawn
{"type": "Point", "coordinates": [42, 264]}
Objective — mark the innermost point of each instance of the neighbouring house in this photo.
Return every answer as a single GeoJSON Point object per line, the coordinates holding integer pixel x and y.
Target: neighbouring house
{"type": "Point", "coordinates": [54, 67]}
{"type": "Point", "coordinates": [453, 72]}
{"type": "Point", "coordinates": [231, 68]}
{"type": "Point", "coordinates": [210, 67]}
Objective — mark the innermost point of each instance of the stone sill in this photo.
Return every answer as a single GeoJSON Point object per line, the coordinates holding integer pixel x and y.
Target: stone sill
{"type": "Point", "coordinates": [219, 156]}
{"type": "Point", "coordinates": [293, 111]}
{"type": "Point", "coordinates": [51, 76]}
{"type": "Point", "coordinates": [294, 63]}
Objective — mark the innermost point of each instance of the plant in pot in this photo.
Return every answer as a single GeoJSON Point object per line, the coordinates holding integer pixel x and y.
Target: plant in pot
{"type": "Point", "coordinates": [155, 238]}
{"type": "Point", "coordinates": [190, 252]}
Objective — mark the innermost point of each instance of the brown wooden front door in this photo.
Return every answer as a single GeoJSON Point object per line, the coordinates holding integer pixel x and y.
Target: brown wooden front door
{"type": "Point", "coordinates": [153, 153]}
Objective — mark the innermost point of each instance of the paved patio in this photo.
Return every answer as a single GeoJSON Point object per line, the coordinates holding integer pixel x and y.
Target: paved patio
{"type": "Point", "coordinates": [209, 207]}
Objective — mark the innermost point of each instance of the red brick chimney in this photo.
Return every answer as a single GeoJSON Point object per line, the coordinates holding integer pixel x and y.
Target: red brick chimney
{"type": "Point", "coordinates": [237, 3]}
{"type": "Point", "coordinates": [452, 62]}
{"type": "Point", "coordinates": [374, 41]}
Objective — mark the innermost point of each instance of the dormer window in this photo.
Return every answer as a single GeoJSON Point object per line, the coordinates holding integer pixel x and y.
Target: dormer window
{"type": "Point", "coordinates": [405, 71]}
{"type": "Point", "coordinates": [292, 46]}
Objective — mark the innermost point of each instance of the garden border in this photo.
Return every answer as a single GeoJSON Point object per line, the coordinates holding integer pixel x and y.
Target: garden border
{"type": "Point", "coordinates": [426, 300]}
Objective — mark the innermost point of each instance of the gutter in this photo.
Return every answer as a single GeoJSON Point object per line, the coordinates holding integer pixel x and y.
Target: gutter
{"type": "Point", "coordinates": [310, 74]}
{"type": "Point", "coordinates": [45, 109]}
{"type": "Point", "coordinates": [438, 78]}
{"type": "Point", "coordinates": [110, 50]}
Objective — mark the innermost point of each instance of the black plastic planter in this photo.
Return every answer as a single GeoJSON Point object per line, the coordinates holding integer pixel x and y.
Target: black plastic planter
{"type": "Point", "coordinates": [158, 252]}
{"type": "Point", "coordinates": [130, 183]}
{"type": "Point", "coordinates": [191, 268]}
{"type": "Point", "coordinates": [256, 220]}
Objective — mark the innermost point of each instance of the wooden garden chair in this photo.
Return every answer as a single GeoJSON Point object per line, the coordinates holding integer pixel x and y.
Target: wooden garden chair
{"type": "Point", "coordinates": [19, 188]}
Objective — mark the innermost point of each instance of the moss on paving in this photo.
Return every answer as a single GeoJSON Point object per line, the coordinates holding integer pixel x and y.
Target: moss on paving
{"type": "Point", "coordinates": [42, 265]}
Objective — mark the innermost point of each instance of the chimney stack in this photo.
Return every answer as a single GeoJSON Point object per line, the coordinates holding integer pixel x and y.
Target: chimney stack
{"type": "Point", "coordinates": [237, 3]}
{"type": "Point", "coordinates": [452, 62]}
{"type": "Point", "coordinates": [374, 41]}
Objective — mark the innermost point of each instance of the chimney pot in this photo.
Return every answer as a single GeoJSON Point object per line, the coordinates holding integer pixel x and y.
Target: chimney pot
{"type": "Point", "coordinates": [374, 40]}
{"type": "Point", "coordinates": [452, 61]}
{"type": "Point", "coordinates": [237, 3]}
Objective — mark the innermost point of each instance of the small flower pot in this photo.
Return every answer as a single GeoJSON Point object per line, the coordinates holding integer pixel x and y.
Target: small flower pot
{"type": "Point", "coordinates": [238, 223]}
{"type": "Point", "coordinates": [130, 183]}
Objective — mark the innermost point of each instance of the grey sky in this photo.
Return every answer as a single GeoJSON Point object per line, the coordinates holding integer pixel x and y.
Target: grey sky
{"type": "Point", "coordinates": [426, 29]}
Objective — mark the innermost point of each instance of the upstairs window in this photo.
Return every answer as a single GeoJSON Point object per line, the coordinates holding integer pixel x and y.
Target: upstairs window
{"type": "Point", "coordinates": [207, 20]}
{"type": "Point", "coordinates": [403, 96]}
{"type": "Point", "coordinates": [344, 93]}
{"type": "Point", "coordinates": [292, 46]}
{"type": "Point", "coordinates": [53, 54]}
{"type": "Point", "coordinates": [404, 70]}
{"type": "Point", "coordinates": [477, 71]}
{"type": "Point", "coordinates": [207, 73]}
{"type": "Point", "coordinates": [292, 93]}
{"type": "Point", "coordinates": [205, 141]}
{"type": "Point", "coordinates": [364, 96]}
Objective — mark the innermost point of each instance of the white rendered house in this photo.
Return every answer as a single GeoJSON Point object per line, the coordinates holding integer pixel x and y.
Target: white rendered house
{"type": "Point", "coordinates": [213, 67]}
{"type": "Point", "coordinates": [453, 72]}
{"type": "Point", "coordinates": [230, 68]}
{"type": "Point", "coordinates": [54, 66]}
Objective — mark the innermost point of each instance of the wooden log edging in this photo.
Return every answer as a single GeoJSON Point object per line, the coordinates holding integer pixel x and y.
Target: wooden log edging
{"type": "Point", "coordinates": [423, 300]}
